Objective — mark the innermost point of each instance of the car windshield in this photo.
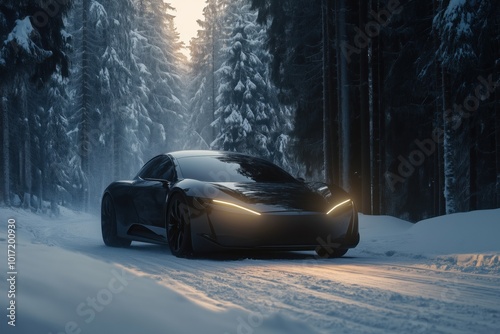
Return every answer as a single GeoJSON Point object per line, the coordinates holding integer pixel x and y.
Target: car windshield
{"type": "Point", "coordinates": [232, 168]}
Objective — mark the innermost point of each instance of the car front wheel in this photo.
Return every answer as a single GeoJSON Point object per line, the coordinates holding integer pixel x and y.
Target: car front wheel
{"type": "Point", "coordinates": [178, 227]}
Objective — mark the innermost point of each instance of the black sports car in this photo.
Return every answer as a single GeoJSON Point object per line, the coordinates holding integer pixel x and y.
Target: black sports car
{"type": "Point", "coordinates": [204, 201]}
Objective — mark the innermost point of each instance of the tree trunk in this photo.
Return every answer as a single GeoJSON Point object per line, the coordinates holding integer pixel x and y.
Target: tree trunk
{"type": "Point", "coordinates": [474, 144]}
{"type": "Point", "coordinates": [496, 108]}
{"type": "Point", "coordinates": [84, 143]}
{"type": "Point", "coordinates": [343, 89]}
{"type": "Point", "coordinates": [6, 150]}
{"type": "Point", "coordinates": [327, 112]}
{"type": "Point", "coordinates": [366, 189]}
{"type": "Point", "coordinates": [376, 121]}
{"type": "Point", "coordinates": [116, 146]}
{"type": "Point", "coordinates": [438, 189]}
{"type": "Point", "coordinates": [26, 172]}
{"type": "Point", "coordinates": [374, 131]}
{"type": "Point", "coordinates": [40, 190]}
{"type": "Point", "coordinates": [497, 144]}
{"type": "Point", "coordinates": [448, 148]}
{"type": "Point", "coordinates": [439, 202]}
{"type": "Point", "coordinates": [214, 93]}
{"type": "Point", "coordinates": [213, 36]}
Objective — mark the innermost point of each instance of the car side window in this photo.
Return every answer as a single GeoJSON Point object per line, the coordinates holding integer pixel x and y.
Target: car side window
{"type": "Point", "coordinates": [160, 167]}
{"type": "Point", "coordinates": [146, 169]}
{"type": "Point", "coordinates": [165, 170]}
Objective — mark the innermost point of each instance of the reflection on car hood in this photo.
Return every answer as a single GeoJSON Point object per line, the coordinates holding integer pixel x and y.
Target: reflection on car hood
{"type": "Point", "coordinates": [269, 197]}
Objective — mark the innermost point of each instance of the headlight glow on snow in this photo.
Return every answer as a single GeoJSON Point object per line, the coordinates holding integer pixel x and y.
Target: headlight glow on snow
{"type": "Point", "coordinates": [236, 206]}
{"type": "Point", "coordinates": [340, 204]}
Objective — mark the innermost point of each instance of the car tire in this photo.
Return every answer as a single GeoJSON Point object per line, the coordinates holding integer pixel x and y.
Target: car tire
{"type": "Point", "coordinates": [178, 226]}
{"type": "Point", "coordinates": [108, 224]}
{"type": "Point", "coordinates": [332, 253]}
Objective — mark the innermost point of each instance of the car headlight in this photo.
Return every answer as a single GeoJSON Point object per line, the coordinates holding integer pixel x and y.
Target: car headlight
{"type": "Point", "coordinates": [235, 206]}
{"type": "Point", "coordinates": [339, 205]}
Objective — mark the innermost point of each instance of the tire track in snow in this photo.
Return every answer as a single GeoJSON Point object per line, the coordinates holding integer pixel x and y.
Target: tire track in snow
{"type": "Point", "coordinates": [308, 293]}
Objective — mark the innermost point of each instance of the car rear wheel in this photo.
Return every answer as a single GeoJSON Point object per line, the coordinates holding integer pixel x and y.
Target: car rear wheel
{"type": "Point", "coordinates": [178, 227]}
{"type": "Point", "coordinates": [331, 253]}
{"type": "Point", "coordinates": [108, 225]}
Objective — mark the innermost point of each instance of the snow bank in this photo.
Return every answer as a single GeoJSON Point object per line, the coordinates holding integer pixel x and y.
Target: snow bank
{"type": "Point", "coordinates": [476, 231]}
{"type": "Point", "coordinates": [463, 241]}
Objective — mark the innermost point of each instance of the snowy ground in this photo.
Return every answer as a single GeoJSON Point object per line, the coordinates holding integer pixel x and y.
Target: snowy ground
{"type": "Point", "coordinates": [440, 275]}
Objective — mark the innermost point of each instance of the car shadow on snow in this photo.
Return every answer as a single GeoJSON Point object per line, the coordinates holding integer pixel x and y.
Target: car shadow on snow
{"type": "Point", "coordinates": [238, 255]}
{"type": "Point", "coordinates": [158, 251]}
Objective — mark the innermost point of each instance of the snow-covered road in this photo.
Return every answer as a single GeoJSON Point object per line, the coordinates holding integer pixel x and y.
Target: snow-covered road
{"type": "Point", "coordinates": [349, 295]}
{"type": "Point", "coordinates": [377, 288]}
{"type": "Point", "coordinates": [356, 294]}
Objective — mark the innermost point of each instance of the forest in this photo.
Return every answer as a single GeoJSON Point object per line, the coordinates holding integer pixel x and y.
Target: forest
{"type": "Point", "coordinates": [396, 101]}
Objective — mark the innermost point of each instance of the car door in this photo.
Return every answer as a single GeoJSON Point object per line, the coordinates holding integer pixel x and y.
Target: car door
{"type": "Point", "coordinates": [151, 192]}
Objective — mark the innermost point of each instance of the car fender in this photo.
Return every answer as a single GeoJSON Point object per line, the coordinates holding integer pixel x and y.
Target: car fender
{"type": "Point", "coordinates": [123, 204]}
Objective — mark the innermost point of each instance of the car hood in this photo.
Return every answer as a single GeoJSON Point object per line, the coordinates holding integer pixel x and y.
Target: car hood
{"type": "Point", "coordinates": [275, 197]}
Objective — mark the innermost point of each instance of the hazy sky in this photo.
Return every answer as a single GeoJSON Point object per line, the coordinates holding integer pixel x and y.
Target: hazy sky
{"type": "Point", "coordinates": [186, 14]}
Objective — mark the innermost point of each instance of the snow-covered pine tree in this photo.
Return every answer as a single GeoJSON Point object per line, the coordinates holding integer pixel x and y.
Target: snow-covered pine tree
{"type": "Point", "coordinates": [294, 39]}
{"type": "Point", "coordinates": [117, 107]}
{"type": "Point", "coordinates": [247, 109]}
{"type": "Point", "coordinates": [457, 57]}
{"type": "Point", "coordinates": [157, 53]}
{"type": "Point", "coordinates": [87, 24]}
{"type": "Point", "coordinates": [51, 145]}
{"type": "Point", "coordinates": [205, 60]}
{"type": "Point", "coordinates": [128, 89]}
{"type": "Point", "coordinates": [30, 48]}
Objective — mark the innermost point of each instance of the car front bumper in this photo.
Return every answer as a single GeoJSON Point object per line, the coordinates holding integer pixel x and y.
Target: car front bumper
{"type": "Point", "coordinates": [218, 230]}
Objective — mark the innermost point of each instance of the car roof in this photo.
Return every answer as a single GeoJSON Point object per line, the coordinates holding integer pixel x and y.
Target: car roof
{"type": "Point", "coordinates": [200, 153]}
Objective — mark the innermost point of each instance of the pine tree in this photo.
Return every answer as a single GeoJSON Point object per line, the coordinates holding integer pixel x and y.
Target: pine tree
{"type": "Point", "coordinates": [205, 60]}
{"type": "Point", "coordinates": [52, 147]}
{"type": "Point", "coordinates": [464, 56]}
{"type": "Point", "coordinates": [89, 21]}
{"type": "Point", "coordinates": [247, 114]}
{"type": "Point", "coordinates": [6, 149]}
{"type": "Point", "coordinates": [159, 79]}
{"type": "Point", "coordinates": [295, 42]}
{"type": "Point", "coordinates": [32, 47]}
{"type": "Point", "coordinates": [344, 99]}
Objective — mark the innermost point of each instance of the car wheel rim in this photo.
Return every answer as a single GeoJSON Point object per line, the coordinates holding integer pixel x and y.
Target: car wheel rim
{"type": "Point", "coordinates": [176, 225]}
